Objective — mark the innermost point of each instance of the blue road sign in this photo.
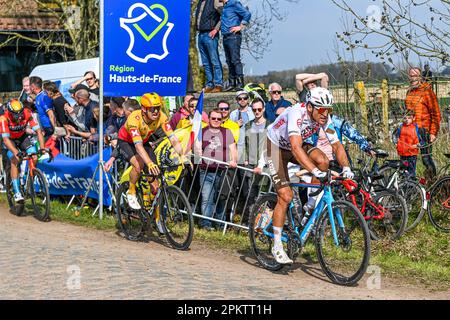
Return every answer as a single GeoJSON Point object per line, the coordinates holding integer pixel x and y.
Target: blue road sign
{"type": "Point", "coordinates": [146, 47]}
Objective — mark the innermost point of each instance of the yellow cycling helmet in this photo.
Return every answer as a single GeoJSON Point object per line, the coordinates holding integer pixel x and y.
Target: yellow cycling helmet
{"type": "Point", "coordinates": [15, 106]}
{"type": "Point", "coordinates": [150, 100]}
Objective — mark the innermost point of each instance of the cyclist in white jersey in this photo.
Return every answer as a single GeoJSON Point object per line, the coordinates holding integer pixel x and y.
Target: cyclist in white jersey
{"type": "Point", "coordinates": [292, 137]}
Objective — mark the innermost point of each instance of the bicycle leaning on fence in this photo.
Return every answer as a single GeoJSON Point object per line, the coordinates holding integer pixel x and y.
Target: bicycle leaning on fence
{"type": "Point", "coordinates": [439, 206]}
{"type": "Point", "coordinates": [169, 207]}
{"type": "Point", "coordinates": [339, 230]}
{"type": "Point", "coordinates": [396, 177]}
{"type": "Point", "coordinates": [33, 186]}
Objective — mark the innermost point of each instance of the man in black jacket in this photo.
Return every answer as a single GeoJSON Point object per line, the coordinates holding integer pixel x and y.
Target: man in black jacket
{"type": "Point", "coordinates": [207, 22]}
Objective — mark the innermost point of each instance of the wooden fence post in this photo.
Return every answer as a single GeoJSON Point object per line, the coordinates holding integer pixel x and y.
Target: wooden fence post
{"type": "Point", "coordinates": [385, 107]}
{"type": "Point", "coordinates": [360, 102]}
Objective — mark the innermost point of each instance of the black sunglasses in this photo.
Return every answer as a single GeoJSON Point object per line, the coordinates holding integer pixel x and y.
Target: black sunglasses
{"type": "Point", "coordinates": [216, 119]}
{"type": "Point", "coordinates": [275, 92]}
{"type": "Point", "coordinates": [242, 98]}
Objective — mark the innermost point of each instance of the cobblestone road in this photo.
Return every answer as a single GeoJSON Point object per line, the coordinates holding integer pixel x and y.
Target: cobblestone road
{"type": "Point", "coordinates": [44, 260]}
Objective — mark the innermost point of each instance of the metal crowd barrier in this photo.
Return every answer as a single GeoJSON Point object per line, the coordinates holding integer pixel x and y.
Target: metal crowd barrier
{"type": "Point", "coordinates": [77, 148]}
{"type": "Point", "coordinates": [237, 192]}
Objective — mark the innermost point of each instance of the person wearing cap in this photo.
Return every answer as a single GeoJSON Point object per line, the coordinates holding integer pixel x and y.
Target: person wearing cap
{"type": "Point", "coordinates": [277, 104]}
{"type": "Point", "coordinates": [242, 115]}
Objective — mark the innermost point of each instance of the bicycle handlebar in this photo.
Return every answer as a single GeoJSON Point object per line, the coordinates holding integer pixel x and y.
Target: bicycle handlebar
{"type": "Point", "coordinates": [331, 175]}
{"type": "Point", "coordinates": [22, 155]}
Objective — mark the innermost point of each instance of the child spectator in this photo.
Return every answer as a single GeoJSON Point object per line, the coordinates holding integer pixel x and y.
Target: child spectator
{"type": "Point", "coordinates": [408, 140]}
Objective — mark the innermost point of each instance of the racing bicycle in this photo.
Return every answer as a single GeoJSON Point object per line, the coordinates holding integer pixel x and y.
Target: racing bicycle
{"type": "Point", "coordinates": [33, 186]}
{"type": "Point", "coordinates": [338, 229]}
{"type": "Point", "coordinates": [169, 208]}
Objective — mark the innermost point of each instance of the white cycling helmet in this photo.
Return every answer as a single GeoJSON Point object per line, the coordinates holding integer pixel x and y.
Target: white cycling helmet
{"type": "Point", "coordinates": [320, 97]}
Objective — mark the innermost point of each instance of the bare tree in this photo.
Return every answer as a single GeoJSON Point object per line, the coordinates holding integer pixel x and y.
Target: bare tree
{"type": "Point", "coordinates": [75, 32]}
{"type": "Point", "coordinates": [406, 29]}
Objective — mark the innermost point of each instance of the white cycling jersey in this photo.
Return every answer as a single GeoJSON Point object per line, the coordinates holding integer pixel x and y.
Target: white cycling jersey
{"type": "Point", "coordinates": [295, 121]}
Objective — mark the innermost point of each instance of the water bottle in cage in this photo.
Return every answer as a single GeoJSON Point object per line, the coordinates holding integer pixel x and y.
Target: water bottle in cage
{"type": "Point", "coordinates": [297, 209]}
{"type": "Point", "coordinates": [23, 168]}
{"type": "Point", "coordinates": [263, 219]}
{"type": "Point", "coordinates": [305, 218]}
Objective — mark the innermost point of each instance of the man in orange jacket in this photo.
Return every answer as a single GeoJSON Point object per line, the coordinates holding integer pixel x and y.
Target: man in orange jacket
{"type": "Point", "coordinates": [423, 101]}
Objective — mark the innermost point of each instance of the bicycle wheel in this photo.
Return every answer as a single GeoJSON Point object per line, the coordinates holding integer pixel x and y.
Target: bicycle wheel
{"type": "Point", "coordinates": [40, 197]}
{"type": "Point", "coordinates": [346, 263]}
{"type": "Point", "coordinates": [439, 206]}
{"type": "Point", "coordinates": [416, 202]}
{"type": "Point", "coordinates": [260, 243]}
{"type": "Point", "coordinates": [16, 208]}
{"type": "Point", "coordinates": [131, 222]}
{"type": "Point", "coordinates": [395, 218]}
{"type": "Point", "coordinates": [175, 214]}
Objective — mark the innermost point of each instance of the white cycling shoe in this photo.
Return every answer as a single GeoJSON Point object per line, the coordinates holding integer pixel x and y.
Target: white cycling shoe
{"type": "Point", "coordinates": [133, 201]}
{"type": "Point", "coordinates": [280, 256]}
{"type": "Point", "coordinates": [160, 227]}
{"type": "Point", "coordinates": [18, 197]}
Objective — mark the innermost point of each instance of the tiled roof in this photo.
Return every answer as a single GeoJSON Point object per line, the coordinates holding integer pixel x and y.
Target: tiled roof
{"type": "Point", "coordinates": [27, 23]}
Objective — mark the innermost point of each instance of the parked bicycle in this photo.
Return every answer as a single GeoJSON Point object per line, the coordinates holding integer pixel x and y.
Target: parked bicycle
{"type": "Point", "coordinates": [340, 233]}
{"type": "Point", "coordinates": [169, 208]}
{"type": "Point", "coordinates": [384, 209]}
{"type": "Point", "coordinates": [396, 177]}
{"type": "Point", "coordinates": [33, 185]}
{"type": "Point", "coordinates": [439, 206]}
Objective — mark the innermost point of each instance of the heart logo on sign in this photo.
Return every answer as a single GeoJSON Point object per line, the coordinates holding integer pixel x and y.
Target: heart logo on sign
{"type": "Point", "coordinates": [140, 35]}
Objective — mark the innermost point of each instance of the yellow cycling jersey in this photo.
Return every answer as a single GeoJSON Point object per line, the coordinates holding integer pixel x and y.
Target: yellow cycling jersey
{"type": "Point", "coordinates": [137, 131]}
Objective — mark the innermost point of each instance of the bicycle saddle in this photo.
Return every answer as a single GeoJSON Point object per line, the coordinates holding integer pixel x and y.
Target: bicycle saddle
{"type": "Point", "coordinates": [397, 164]}
{"type": "Point", "coordinates": [381, 153]}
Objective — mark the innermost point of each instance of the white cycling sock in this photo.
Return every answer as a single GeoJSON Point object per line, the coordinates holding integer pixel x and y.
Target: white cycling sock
{"type": "Point", "coordinates": [277, 237]}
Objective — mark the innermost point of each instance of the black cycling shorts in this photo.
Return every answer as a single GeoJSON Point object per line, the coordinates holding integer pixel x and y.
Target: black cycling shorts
{"type": "Point", "coordinates": [128, 150]}
{"type": "Point", "coordinates": [22, 144]}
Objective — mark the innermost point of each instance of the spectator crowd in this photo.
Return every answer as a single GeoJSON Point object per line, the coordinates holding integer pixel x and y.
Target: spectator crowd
{"type": "Point", "coordinates": [234, 132]}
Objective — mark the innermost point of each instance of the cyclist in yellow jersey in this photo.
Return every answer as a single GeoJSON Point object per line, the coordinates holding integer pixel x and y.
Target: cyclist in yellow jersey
{"type": "Point", "coordinates": [133, 141]}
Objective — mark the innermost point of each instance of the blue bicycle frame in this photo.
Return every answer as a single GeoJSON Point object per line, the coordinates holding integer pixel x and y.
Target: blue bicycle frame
{"type": "Point", "coordinates": [326, 199]}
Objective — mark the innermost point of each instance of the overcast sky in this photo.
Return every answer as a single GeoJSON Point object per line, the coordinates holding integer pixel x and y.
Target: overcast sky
{"type": "Point", "coordinates": [306, 37]}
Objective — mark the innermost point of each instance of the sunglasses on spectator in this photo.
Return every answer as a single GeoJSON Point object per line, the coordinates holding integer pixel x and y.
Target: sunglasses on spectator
{"type": "Point", "coordinates": [257, 109]}
{"type": "Point", "coordinates": [215, 119]}
{"type": "Point", "coordinates": [275, 92]}
{"type": "Point", "coordinates": [224, 109]}
{"type": "Point", "coordinates": [89, 79]}
{"type": "Point", "coordinates": [242, 98]}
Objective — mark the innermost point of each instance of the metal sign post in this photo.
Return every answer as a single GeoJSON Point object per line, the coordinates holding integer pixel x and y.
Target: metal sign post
{"type": "Point", "coordinates": [100, 148]}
